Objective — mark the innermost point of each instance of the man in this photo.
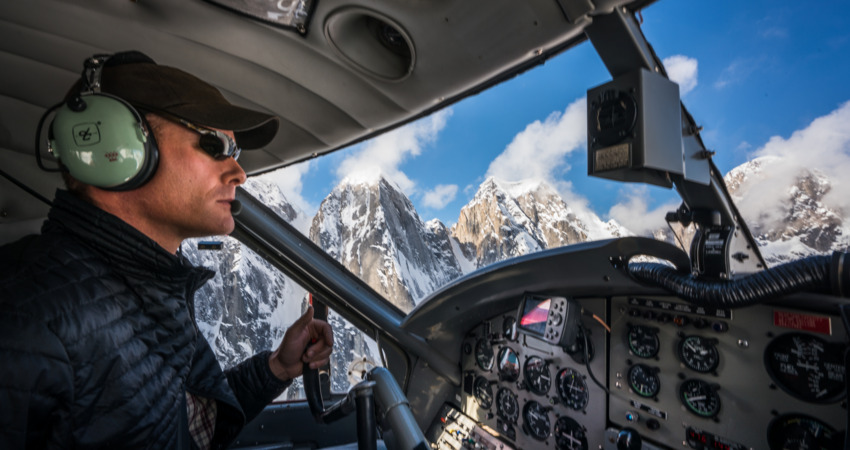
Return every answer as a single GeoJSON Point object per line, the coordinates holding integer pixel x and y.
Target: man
{"type": "Point", "coordinates": [98, 343]}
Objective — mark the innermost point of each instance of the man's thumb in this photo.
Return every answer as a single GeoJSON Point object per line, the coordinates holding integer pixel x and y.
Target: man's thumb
{"type": "Point", "coordinates": [304, 319]}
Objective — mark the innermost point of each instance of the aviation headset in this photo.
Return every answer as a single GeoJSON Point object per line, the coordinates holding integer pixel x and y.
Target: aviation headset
{"type": "Point", "coordinates": [100, 139]}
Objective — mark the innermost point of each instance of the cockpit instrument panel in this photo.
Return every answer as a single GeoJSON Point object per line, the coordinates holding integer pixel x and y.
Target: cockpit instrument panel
{"type": "Point", "coordinates": [542, 393]}
{"type": "Point", "coordinates": [681, 376]}
{"type": "Point", "coordinates": [714, 378]}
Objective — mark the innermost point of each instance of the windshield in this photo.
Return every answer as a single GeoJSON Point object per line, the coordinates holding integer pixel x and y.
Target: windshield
{"type": "Point", "coordinates": [503, 174]}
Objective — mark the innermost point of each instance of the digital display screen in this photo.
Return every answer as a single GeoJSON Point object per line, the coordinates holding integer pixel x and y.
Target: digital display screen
{"type": "Point", "coordinates": [535, 312]}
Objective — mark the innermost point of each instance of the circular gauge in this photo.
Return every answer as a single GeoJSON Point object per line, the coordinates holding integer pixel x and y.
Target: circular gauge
{"type": "Point", "coordinates": [509, 328]}
{"type": "Point", "coordinates": [508, 364]}
{"type": "Point", "coordinates": [644, 380]}
{"type": "Point", "coordinates": [643, 341]}
{"type": "Point", "coordinates": [484, 354]}
{"type": "Point", "coordinates": [482, 391]}
{"type": "Point", "coordinates": [572, 389]}
{"type": "Point", "coordinates": [537, 375]}
{"type": "Point", "coordinates": [536, 420]}
{"type": "Point", "coordinates": [506, 405]}
{"type": "Point", "coordinates": [699, 353]}
{"type": "Point", "coordinates": [569, 435]}
{"type": "Point", "coordinates": [699, 398]}
{"type": "Point", "coordinates": [801, 432]}
{"type": "Point", "coordinates": [806, 367]}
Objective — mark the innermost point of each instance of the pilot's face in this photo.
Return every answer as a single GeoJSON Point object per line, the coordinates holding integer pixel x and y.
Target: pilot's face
{"type": "Point", "coordinates": [191, 192]}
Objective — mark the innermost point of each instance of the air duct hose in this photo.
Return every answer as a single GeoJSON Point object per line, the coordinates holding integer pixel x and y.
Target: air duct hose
{"type": "Point", "coordinates": [823, 274]}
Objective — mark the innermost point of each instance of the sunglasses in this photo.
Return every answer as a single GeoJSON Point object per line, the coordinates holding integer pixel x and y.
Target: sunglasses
{"type": "Point", "coordinates": [219, 145]}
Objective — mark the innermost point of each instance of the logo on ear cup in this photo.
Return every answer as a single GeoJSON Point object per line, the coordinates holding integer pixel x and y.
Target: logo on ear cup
{"type": "Point", "coordinates": [86, 134]}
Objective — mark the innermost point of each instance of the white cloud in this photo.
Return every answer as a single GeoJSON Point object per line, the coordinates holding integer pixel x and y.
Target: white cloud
{"type": "Point", "coordinates": [682, 70]}
{"type": "Point", "coordinates": [634, 213]}
{"type": "Point", "coordinates": [541, 149]}
{"type": "Point", "coordinates": [384, 154]}
{"type": "Point", "coordinates": [823, 145]}
{"type": "Point", "coordinates": [440, 196]}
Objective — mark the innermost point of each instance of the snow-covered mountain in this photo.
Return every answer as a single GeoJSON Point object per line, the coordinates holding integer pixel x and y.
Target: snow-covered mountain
{"type": "Point", "coordinates": [505, 220]}
{"type": "Point", "coordinates": [247, 306]}
{"type": "Point", "coordinates": [789, 214]}
{"type": "Point", "coordinates": [372, 229]}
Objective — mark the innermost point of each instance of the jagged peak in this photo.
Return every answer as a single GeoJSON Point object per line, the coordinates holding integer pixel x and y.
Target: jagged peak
{"type": "Point", "coordinates": [368, 179]}
{"type": "Point", "coordinates": [514, 189]}
{"type": "Point", "coordinates": [752, 166]}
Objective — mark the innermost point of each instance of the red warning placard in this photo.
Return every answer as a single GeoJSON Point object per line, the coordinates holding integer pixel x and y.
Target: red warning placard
{"type": "Point", "coordinates": [803, 322]}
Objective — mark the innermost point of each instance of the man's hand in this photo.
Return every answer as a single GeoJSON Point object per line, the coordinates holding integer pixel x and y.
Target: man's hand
{"type": "Point", "coordinates": [287, 362]}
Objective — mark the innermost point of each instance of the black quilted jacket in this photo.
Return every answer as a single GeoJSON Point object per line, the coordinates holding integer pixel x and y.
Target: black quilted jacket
{"type": "Point", "coordinates": [98, 343]}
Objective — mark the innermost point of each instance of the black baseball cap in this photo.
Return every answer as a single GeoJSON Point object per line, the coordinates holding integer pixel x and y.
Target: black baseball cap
{"type": "Point", "coordinates": [150, 87]}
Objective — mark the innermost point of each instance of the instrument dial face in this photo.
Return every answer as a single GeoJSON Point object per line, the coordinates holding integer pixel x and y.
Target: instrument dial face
{"type": "Point", "coordinates": [806, 367]}
{"type": "Point", "coordinates": [643, 341]}
{"type": "Point", "coordinates": [482, 391]}
{"type": "Point", "coordinates": [700, 398]}
{"type": "Point", "coordinates": [506, 405]}
{"type": "Point", "coordinates": [508, 364]}
{"type": "Point", "coordinates": [699, 353]}
{"type": "Point", "coordinates": [644, 380]}
{"type": "Point", "coordinates": [537, 375]}
{"type": "Point", "coordinates": [569, 435]}
{"type": "Point", "coordinates": [536, 420]}
{"type": "Point", "coordinates": [801, 432]}
{"type": "Point", "coordinates": [509, 328]}
{"type": "Point", "coordinates": [572, 389]}
{"type": "Point", "coordinates": [484, 356]}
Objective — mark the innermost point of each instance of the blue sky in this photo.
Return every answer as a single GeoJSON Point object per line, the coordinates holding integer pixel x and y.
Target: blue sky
{"type": "Point", "coordinates": [760, 77]}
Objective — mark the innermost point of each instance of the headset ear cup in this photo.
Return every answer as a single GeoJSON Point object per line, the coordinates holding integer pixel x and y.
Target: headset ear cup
{"type": "Point", "coordinates": [151, 162]}
{"type": "Point", "coordinates": [103, 141]}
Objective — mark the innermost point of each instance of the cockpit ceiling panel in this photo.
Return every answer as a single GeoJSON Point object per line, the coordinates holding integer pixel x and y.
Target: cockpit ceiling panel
{"type": "Point", "coordinates": [325, 100]}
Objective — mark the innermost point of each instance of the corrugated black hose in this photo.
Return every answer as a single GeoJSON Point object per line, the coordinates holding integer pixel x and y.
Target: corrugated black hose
{"type": "Point", "coordinates": [823, 274]}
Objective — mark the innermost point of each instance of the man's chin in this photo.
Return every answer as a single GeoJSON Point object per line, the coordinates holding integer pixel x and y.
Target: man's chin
{"type": "Point", "coordinates": [224, 226]}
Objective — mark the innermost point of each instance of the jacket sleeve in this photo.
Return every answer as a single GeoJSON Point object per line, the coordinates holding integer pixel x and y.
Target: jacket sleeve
{"type": "Point", "coordinates": [36, 385]}
{"type": "Point", "coordinates": [254, 384]}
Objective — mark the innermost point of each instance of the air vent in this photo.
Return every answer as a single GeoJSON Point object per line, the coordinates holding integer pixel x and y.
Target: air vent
{"type": "Point", "coordinates": [371, 43]}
